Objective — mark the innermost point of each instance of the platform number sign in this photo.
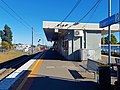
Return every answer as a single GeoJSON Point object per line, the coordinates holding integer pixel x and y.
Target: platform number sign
{"type": "Point", "coordinates": [56, 29]}
{"type": "Point", "coordinates": [117, 17]}
{"type": "Point", "coordinates": [109, 21]}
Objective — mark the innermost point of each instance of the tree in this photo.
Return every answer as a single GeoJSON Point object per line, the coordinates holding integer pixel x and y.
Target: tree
{"type": "Point", "coordinates": [113, 39]}
{"type": "Point", "coordinates": [102, 40]}
{"type": "Point", "coordinates": [6, 45]}
{"type": "Point", "coordinates": [105, 40]}
{"type": "Point", "coordinates": [1, 33]}
{"type": "Point", "coordinates": [6, 34]}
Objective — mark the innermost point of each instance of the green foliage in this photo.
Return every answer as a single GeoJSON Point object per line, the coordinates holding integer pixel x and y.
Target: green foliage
{"type": "Point", "coordinates": [102, 40]}
{"type": "Point", "coordinates": [105, 40]}
{"type": "Point", "coordinates": [6, 34]}
{"type": "Point", "coordinates": [113, 39]}
{"type": "Point", "coordinates": [6, 45]}
{"type": "Point", "coordinates": [1, 33]}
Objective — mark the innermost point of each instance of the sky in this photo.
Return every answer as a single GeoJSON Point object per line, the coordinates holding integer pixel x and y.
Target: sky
{"type": "Point", "coordinates": [34, 12]}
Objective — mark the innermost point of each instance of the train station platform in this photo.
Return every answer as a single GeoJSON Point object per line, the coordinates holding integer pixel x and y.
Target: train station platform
{"type": "Point", "coordinates": [54, 72]}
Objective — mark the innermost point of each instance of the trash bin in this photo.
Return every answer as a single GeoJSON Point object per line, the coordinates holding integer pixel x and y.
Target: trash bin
{"type": "Point", "coordinates": [117, 83]}
{"type": "Point", "coordinates": [104, 77]}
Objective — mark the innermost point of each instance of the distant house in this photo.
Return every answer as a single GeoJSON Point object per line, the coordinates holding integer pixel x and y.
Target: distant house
{"type": "Point", "coordinates": [22, 47]}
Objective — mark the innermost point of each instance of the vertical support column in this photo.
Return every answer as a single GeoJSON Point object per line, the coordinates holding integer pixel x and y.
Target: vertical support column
{"type": "Point", "coordinates": [83, 41]}
{"type": "Point", "coordinates": [119, 45]}
{"type": "Point", "coordinates": [109, 33]}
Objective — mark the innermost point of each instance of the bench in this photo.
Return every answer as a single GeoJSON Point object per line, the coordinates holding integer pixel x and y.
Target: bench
{"type": "Point", "coordinates": [92, 66]}
{"type": "Point", "coordinates": [117, 60]}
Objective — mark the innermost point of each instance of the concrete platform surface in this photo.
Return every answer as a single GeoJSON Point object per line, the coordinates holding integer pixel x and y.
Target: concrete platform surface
{"type": "Point", "coordinates": [13, 79]}
{"type": "Point", "coordinates": [54, 72]}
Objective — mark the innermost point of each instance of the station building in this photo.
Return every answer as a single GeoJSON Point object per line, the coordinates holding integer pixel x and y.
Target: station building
{"type": "Point", "coordinates": [76, 41]}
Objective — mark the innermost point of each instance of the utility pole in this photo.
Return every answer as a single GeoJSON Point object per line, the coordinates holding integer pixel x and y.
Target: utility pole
{"type": "Point", "coordinates": [32, 40]}
{"type": "Point", "coordinates": [119, 24]}
{"type": "Point", "coordinates": [109, 33]}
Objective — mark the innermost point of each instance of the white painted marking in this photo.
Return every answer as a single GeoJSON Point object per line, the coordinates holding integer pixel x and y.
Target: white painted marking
{"type": "Point", "coordinates": [50, 67]}
{"type": "Point", "coordinates": [23, 67]}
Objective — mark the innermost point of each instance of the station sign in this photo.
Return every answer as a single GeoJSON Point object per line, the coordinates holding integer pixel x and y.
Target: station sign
{"type": "Point", "coordinates": [109, 21]}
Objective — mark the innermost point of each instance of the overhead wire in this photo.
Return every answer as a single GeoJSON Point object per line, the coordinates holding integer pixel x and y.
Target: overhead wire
{"type": "Point", "coordinates": [74, 7]}
{"type": "Point", "coordinates": [89, 11]}
{"type": "Point", "coordinates": [85, 14]}
{"type": "Point", "coordinates": [13, 16]}
{"type": "Point", "coordinates": [95, 6]}
{"type": "Point", "coordinates": [92, 14]}
{"type": "Point", "coordinates": [86, 24]}
{"type": "Point", "coordinates": [16, 14]}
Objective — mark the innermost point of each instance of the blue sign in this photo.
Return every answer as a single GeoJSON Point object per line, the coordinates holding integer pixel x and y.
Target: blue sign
{"type": "Point", "coordinates": [109, 21]}
{"type": "Point", "coordinates": [117, 17]}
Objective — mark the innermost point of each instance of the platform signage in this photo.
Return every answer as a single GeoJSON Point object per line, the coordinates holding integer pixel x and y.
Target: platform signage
{"type": "Point", "coordinates": [109, 21]}
{"type": "Point", "coordinates": [117, 17]}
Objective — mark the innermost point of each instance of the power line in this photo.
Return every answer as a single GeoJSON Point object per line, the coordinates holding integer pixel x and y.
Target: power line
{"type": "Point", "coordinates": [92, 13]}
{"type": "Point", "coordinates": [13, 16]}
{"type": "Point", "coordinates": [85, 14]}
{"type": "Point", "coordinates": [16, 13]}
{"type": "Point", "coordinates": [75, 6]}
{"type": "Point", "coordinates": [89, 11]}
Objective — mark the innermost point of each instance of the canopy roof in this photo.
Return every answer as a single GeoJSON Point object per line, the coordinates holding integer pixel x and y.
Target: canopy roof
{"type": "Point", "coordinates": [61, 28]}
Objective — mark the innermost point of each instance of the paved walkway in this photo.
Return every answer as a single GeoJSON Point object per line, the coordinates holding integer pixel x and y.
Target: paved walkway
{"type": "Point", "coordinates": [53, 72]}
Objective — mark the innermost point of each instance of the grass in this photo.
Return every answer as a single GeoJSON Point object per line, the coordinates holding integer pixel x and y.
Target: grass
{"type": "Point", "coordinates": [9, 55]}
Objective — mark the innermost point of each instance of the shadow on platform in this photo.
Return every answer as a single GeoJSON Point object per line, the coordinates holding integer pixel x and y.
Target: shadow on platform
{"type": "Point", "coordinates": [54, 55]}
{"type": "Point", "coordinates": [52, 83]}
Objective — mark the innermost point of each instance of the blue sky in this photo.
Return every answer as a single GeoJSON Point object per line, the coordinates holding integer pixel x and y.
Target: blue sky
{"type": "Point", "coordinates": [36, 11]}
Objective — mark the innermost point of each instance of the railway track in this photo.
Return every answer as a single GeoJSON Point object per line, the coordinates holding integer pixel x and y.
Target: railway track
{"type": "Point", "coordinates": [8, 67]}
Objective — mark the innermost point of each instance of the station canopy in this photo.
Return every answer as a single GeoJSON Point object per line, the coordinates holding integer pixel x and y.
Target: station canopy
{"type": "Point", "coordinates": [55, 30]}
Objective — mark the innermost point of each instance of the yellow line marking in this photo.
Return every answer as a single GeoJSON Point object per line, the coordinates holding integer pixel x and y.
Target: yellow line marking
{"type": "Point", "coordinates": [34, 70]}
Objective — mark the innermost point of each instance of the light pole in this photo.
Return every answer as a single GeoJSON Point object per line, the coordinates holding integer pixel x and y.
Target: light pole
{"type": "Point", "coordinates": [118, 73]}
{"type": "Point", "coordinates": [109, 33]}
{"type": "Point", "coordinates": [32, 40]}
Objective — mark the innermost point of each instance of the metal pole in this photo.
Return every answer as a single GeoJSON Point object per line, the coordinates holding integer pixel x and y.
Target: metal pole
{"type": "Point", "coordinates": [32, 40]}
{"type": "Point", "coordinates": [119, 46]}
{"type": "Point", "coordinates": [109, 33]}
{"type": "Point", "coordinates": [119, 25]}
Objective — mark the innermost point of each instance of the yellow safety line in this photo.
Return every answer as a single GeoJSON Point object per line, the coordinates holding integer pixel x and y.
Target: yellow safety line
{"type": "Point", "coordinates": [34, 70]}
